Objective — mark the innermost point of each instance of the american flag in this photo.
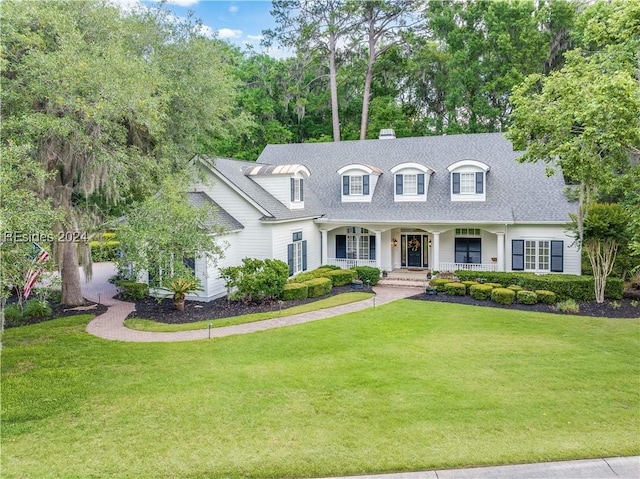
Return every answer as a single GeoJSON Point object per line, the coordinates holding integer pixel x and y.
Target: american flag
{"type": "Point", "coordinates": [35, 270]}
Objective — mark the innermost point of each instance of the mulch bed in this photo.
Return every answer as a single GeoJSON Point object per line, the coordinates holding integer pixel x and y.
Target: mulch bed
{"type": "Point", "coordinates": [59, 311]}
{"type": "Point", "coordinates": [622, 308]}
{"type": "Point", "coordinates": [194, 311]}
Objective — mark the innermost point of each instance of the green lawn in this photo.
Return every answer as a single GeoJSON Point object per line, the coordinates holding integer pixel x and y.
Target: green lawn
{"type": "Point", "coordinates": [406, 386]}
{"type": "Point", "coordinates": [337, 300]}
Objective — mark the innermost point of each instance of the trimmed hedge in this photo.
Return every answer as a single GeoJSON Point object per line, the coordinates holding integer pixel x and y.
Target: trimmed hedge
{"type": "Point", "coordinates": [455, 289]}
{"type": "Point", "coordinates": [503, 295]}
{"type": "Point", "coordinates": [468, 284]}
{"type": "Point", "coordinates": [515, 287]}
{"type": "Point", "coordinates": [440, 282]}
{"type": "Point", "coordinates": [340, 277]}
{"type": "Point", "coordinates": [318, 287]}
{"type": "Point", "coordinates": [480, 291]}
{"type": "Point", "coordinates": [302, 277]}
{"type": "Point", "coordinates": [133, 290]}
{"type": "Point", "coordinates": [295, 291]}
{"type": "Point", "coordinates": [526, 297]}
{"type": "Point", "coordinates": [546, 297]}
{"type": "Point", "coordinates": [368, 274]}
{"type": "Point", "coordinates": [494, 285]}
{"type": "Point", "coordinates": [565, 286]}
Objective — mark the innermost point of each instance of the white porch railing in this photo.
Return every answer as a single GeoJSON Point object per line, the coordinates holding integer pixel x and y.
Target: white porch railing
{"type": "Point", "coordinates": [346, 263]}
{"type": "Point", "coordinates": [468, 266]}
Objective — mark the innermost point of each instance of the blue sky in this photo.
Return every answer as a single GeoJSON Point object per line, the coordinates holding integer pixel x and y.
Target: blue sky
{"type": "Point", "coordinates": [240, 21]}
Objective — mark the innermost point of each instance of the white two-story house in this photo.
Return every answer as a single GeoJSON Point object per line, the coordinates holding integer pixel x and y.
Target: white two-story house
{"type": "Point", "coordinates": [440, 202]}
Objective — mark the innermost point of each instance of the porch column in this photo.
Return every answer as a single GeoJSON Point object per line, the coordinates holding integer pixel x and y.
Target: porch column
{"type": "Point", "coordinates": [323, 251]}
{"type": "Point", "coordinates": [500, 252]}
{"type": "Point", "coordinates": [435, 251]}
{"type": "Point", "coordinates": [378, 249]}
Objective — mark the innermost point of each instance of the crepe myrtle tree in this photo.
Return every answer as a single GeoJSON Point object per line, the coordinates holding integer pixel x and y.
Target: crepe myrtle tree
{"type": "Point", "coordinates": [604, 230]}
{"type": "Point", "coordinates": [161, 232]}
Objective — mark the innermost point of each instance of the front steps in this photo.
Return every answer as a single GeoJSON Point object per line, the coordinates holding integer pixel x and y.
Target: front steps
{"type": "Point", "coordinates": [405, 279]}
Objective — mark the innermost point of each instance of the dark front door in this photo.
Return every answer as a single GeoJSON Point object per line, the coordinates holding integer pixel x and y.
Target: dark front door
{"type": "Point", "coordinates": [468, 250]}
{"type": "Point", "coordinates": [414, 251]}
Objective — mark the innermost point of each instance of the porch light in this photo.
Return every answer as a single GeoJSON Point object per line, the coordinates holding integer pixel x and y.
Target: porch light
{"type": "Point", "coordinates": [429, 243]}
{"type": "Point", "coordinates": [394, 242]}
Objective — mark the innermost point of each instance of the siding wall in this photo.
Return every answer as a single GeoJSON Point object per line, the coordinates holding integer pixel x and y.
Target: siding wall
{"type": "Point", "coordinates": [282, 236]}
{"type": "Point", "coordinates": [572, 264]}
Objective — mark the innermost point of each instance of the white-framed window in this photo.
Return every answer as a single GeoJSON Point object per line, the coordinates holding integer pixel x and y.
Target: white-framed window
{"type": "Point", "coordinates": [467, 183]}
{"type": "Point", "coordinates": [467, 231]}
{"type": "Point", "coordinates": [355, 185]}
{"type": "Point", "coordinates": [358, 243]}
{"type": "Point", "coordinates": [468, 180]}
{"type": "Point", "coordinates": [411, 181]}
{"type": "Point", "coordinates": [297, 189]}
{"type": "Point", "coordinates": [297, 254]}
{"type": "Point", "coordinates": [536, 255]}
{"type": "Point", "coordinates": [410, 185]}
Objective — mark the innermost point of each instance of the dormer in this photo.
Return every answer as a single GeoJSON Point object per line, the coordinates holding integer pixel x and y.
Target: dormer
{"type": "Point", "coordinates": [468, 180]}
{"type": "Point", "coordinates": [283, 182]}
{"type": "Point", "coordinates": [411, 182]}
{"type": "Point", "coordinates": [358, 182]}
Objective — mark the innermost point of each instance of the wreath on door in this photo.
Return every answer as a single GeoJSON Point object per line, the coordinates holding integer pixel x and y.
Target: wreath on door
{"type": "Point", "coordinates": [414, 244]}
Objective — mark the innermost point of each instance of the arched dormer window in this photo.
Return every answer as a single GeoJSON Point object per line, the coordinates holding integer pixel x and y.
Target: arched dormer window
{"type": "Point", "coordinates": [358, 182]}
{"type": "Point", "coordinates": [468, 180]}
{"type": "Point", "coordinates": [411, 182]}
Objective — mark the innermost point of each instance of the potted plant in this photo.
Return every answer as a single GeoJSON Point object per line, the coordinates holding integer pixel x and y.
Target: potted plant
{"type": "Point", "coordinates": [431, 290]}
{"type": "Point", "coordinates": [428, 274]}
{"type": "Point", "coordinates": [180, 287]}
{"type": "Point", "coordinates": [384, 273]}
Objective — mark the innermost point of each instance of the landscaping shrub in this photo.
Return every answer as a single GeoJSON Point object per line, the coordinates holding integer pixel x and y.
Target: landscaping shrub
{"type": "Point", "coordinates": [455, 289]}
{"type": "Point", "coordinates": [302, 277]}
{"type": "Point", "coordinates": [340, 277]}
{"type": "Point", "coordinates": [503, 295]}
{"type": "Point", "coordinates": [568, 306]}
{"type": "Point", "coordinates": [318, 287]}
{"type": "Point", "coordinates": [468, 285]}
{"type": "Point", "coordinates": [515, 287]}
{"type": "Point", "coordinates": [256, 279]}
{"type": "Point", "coordinates": [480, 291]}
{"type": "Point", "coordinates": [105, 248]}
{"type": "Point", "coordinates": [440, 282]}
{"type": "Point", "coordinates": [51, 295]}
{"type": "Point", "coordinates": [368, 274]}
{"type": "Point", "coordinates": [580, 288]}
{"type": "Point", "coordinates": [36, 308]}
{"type": "Point", "coordinates": [132, 290]}
{"type": "Point", "coordinates": [330, 266]}
{"type": "Point", "coordinates": [526, 297]}
{"type": "Point", "coordinates": [495, 285]}
{"type": "Point", "coordinates": [545, 296]}
{"type": "Point", "coordinates": [12, 315]}
{"type": "Point", "coordinates": [295, 291]}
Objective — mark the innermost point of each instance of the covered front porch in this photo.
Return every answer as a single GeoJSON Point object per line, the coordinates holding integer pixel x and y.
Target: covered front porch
{"type": "Point", "coordinates": [446, 248]}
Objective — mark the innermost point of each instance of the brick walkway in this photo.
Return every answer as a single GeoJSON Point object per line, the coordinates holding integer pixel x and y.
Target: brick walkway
{"type": "Point", "coordinates": [110, 325]}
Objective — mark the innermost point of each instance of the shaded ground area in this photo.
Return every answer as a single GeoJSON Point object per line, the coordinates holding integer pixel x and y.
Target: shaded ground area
{"type": "Point", "coordinates": [59, 311]}
{"type": "Point", "coordinates": [623, 308]}
{"type": "Point", "coordinates": [194, 311]}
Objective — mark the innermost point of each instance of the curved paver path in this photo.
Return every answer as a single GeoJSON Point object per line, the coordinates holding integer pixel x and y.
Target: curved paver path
{"type": "Point", "coordinates": [110, 325]}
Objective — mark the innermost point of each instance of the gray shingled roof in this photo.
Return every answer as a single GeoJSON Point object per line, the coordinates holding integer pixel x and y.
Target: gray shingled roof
{"type": "Point", "coordinates": [234, 172]}
{"type": "Point", "coordinates": [515, 192]}
{"type": "Point", "coordinates": [222, 218]}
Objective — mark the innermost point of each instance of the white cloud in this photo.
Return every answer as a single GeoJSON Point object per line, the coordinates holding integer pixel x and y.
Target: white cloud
{"type": "Point", "coordinates": [255, 38]}
{"type": "Point", "coordinates": [229, 33]}
{"type": "Point", "coordinates": [182, 3]}
{"type": "Point", "coordinates": [233, 9]}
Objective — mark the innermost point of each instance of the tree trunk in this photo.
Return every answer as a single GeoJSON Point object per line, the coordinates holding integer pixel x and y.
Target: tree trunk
{"type": "Point", "coordinates": [368, 79]}
{"type": "Point", "coordinates": [333, 83]}
{"type": "Point", "coordinates": [70, 274]}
